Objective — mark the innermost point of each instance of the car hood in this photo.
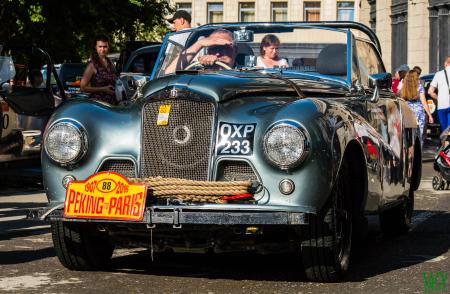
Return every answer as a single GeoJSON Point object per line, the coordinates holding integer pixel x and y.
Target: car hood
{"type": "Point", "coordinates": [224, 85]}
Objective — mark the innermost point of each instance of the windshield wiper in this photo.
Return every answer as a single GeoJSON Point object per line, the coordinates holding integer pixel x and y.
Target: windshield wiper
{"type": "Point", "coordinates": [293, 85]}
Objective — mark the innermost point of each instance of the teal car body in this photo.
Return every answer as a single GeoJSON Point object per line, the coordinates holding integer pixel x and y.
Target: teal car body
{"type": "Point", "coordinates": [354, 131]}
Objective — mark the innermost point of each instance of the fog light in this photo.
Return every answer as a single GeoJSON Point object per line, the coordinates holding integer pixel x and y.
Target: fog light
{"type": "Point", "coordinates": [66, 180]}
{"type": "Point", "coordinates": [286, 186]}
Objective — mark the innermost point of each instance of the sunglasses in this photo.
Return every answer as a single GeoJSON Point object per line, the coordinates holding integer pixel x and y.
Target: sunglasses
{"type": "Point", "coordinates": [221, 49]}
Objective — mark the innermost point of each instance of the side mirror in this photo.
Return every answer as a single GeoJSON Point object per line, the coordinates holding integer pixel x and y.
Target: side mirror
{"type": "Point", "coordinates": [381, 81]}
{"type": "Point", "coordinates": [243, 36]}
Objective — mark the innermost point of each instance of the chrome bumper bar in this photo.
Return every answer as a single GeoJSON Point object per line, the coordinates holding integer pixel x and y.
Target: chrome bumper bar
{"type": "Point", "coordinates": [180, 216]}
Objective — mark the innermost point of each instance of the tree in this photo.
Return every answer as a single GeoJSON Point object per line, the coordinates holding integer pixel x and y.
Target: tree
{"type": "Point", "coordinates": [66, 29]}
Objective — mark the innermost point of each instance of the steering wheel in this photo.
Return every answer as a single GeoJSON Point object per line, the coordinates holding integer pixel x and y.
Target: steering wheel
{"type": "Point", "coordinates": [196, 63]}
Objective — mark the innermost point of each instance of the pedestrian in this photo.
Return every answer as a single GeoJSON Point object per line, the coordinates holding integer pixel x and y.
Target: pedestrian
{"type": "Point", "coordinates": [400, 73]}
{"type": "Point", "coordinates": [441, 82]}
{"type": "Point", "coordinates": [99, 77]}
{"type": "Point", "coordinates": [181, 20]}
{"type": "Point", "coordinates": [418, 70]}
{"type": "Point", "coordinates": [414, 94]}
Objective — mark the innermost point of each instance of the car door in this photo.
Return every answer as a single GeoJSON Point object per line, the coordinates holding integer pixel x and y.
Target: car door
{"type": "Point", "coordinates": [384, 115]}
{"type": "Point", "coordinates": [26, 106]}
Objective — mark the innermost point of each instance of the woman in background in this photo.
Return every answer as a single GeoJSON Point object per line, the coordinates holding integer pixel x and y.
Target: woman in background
{"type": "Point", "coordinates": [269, 53]}
{"type": "Point", "coordinates": [414, 94]}
{"type": "Point", "coordinates": [99, 77]}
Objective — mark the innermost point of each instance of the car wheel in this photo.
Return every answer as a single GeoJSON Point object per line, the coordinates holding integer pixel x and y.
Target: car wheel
{"type": "Point", "coordinates": [326, 241]}
{"type": "Point", "coordinates": [397, 220]}
{"type": "Point", "coordinates": [81, 246]}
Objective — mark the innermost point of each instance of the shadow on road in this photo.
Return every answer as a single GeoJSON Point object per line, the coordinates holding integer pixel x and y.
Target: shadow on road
{"type": "Point", "coordinates": [377, 255]}
{"type": "Point", "coordinates": [13, 224]}
{"type": "Point", "coordinates": [22, 256]}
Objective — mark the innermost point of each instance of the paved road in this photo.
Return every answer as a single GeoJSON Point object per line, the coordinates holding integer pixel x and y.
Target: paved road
{"type": "Point", "coordinates": [382, 265]}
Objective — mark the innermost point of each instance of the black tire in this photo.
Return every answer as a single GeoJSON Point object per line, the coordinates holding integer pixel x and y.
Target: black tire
{"type": "Point", "coordinates": [438, 183]}
{"type": "Point", "coordinates": [326, 241]}
{"type": "Point", "coordinates": [80, 246]}
{"type": "Point", "coordinates": [397, 220]}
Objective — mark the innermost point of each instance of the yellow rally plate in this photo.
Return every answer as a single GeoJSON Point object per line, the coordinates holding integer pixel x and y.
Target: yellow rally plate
{"type": "Point", "coordinates": [163, 115]}
{"type": "Point", "coordinates": [105, 195]}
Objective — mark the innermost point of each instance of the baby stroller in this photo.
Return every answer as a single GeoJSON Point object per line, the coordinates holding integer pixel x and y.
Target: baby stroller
{"type": "Point", "coordinates": [442, 163]}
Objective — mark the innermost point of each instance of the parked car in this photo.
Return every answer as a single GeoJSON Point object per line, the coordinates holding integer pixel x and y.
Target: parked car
{"type": "Point", "coordinates": [319, 146]}
{"type": "Point", "coordinates": [24, 109]}
{"type": "Point", "coordinates": [136, 71]}
{"type": "Point", "coordinates": [70, 75]}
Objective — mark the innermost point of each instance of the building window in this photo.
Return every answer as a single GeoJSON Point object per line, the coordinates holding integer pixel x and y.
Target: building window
{"type": "Point", "coordinates": [311, 11]}
{"type": "Point", "coordinates": [246, 11]}
{"type": "Point", "coordinates": [279, 11]}
{"type": "Point", "coordinates": [184, 6]}
{"type": "Point", "coordinates": [345, 11]}
{"type": "Point", "coordinates": [215, 12]}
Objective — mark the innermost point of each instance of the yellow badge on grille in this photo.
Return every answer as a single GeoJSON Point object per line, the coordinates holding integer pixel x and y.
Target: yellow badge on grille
{"type": "Point", "coordinates": [163, 115]}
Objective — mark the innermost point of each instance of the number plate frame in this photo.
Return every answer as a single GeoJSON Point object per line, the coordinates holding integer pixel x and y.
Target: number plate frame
{"type": "Point", "coordinates": [235, 139]}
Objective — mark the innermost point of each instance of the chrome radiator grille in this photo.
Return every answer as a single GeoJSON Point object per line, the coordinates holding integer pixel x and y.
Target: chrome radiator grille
{"type": "Point", "coordinates": [124, 167]}
{"type": "Point", "coordinates": [182, 148]}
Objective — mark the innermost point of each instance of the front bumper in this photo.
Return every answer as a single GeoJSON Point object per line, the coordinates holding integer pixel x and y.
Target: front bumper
{"type": "Point", "coordinates": [182, 216]}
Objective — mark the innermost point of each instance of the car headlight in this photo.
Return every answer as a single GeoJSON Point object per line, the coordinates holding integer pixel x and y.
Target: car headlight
{"type": "Point", "coordinates": [285, 145]}
{"type": "Point", "coordinates": [65, 142]}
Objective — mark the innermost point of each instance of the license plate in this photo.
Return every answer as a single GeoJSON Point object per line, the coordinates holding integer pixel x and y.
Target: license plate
{"type": "Point", "coordinates": [105, 195]}
{"type": "Point", "coordinates": [235, 139]}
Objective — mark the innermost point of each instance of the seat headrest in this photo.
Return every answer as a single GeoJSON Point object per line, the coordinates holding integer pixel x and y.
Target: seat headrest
{"type": "Point", "coordinates": [332, 60]}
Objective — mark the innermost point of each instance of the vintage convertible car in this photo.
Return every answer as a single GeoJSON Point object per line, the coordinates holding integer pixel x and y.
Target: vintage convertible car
{"type": "Point", "coordinates": [322, 141]}
{"type": "Point", "coordinates": [25, 108]}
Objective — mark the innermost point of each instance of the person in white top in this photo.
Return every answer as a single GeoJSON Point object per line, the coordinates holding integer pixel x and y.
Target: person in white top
{"type": "Point", "coordinates": [269, 53]}
{"type": "Point", "coordinates": [441, 82]}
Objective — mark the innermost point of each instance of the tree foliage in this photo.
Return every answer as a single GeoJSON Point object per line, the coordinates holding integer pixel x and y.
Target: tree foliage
{"type": "Point", "coordinates": [66, 28]}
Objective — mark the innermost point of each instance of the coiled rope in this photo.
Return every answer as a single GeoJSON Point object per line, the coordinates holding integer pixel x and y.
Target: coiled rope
{"type": "Point", "coordinates": [196, 191]}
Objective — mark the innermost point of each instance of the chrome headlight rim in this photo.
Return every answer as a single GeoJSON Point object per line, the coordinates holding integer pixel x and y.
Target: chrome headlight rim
{"type": "Point", "coordinates": [297, 128]}
{"type": "Point", "coordinates": [83, 140]}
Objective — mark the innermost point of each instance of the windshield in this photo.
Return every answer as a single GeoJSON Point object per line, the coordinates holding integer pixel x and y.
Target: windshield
{"type": "Point", "coordinates": [257, 47]}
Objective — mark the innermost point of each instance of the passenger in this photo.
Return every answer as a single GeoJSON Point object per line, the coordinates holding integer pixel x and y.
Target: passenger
{"type": "Point", "coordinates": [414, 94]}
{"type": "Point", "coordinates": [36, 78]}
{"type": "Point", "coordinates": [218, 46]}
{"type": "Point", "coordinates": [269, 53]}
{"type": "Point", "coordinates": [99, 76]}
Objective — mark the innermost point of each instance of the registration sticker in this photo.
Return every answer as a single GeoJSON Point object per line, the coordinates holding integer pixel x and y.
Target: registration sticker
{"type": "Point", "coordinates": [105, 195]}
{"type": "Point", "coordinates": [163, 115]}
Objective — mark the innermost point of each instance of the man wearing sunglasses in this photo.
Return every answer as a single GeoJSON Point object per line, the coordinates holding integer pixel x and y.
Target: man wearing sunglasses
{"type": "Point", "coordinates": [216, 50]}
{"type": "Point", "coordinates": [219, 46]}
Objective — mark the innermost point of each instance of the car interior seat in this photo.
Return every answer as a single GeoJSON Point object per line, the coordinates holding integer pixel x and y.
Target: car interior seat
{"type": "Point", "coordinates": [304, 64]}
{"type": "Point", "coordinates": [332, 60]}
{"type": "Point", "coordinates": [243, 50]}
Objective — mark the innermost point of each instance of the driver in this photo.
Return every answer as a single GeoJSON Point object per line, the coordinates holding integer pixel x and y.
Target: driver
{"type": "Point", "coordinates": [218, 46]}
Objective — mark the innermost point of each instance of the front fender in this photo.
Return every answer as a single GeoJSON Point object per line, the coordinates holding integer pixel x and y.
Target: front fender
{"type": "Point", "coordinates": [101, 123]}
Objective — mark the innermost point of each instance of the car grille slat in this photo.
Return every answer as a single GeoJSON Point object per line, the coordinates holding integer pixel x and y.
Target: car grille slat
{"type": "Point", "coordinates": [182, 148]}
{"type": "Point", "coordinates": [121, 166]}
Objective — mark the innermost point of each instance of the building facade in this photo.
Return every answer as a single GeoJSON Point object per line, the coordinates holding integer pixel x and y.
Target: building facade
{"type": "Point", "coordinates": [210, 11]}
{"type": "Point", "coordinates": [415, 32]}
